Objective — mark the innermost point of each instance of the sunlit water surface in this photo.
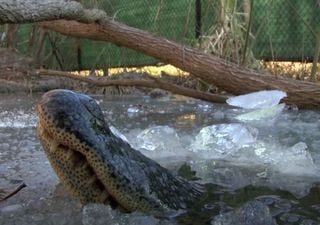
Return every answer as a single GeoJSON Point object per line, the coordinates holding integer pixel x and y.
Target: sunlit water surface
{"type": "Point", "coordinates": [274, 161]}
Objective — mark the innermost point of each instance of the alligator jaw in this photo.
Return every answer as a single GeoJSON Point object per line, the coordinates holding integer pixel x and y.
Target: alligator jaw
{"type": "Point", "coordinates": [80, 180]}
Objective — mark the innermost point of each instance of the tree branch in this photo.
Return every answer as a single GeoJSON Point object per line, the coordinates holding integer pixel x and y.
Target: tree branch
{"type": "Point", "coordinates": [214, 70]}
{"type": "Point", "coordinates": [137, 83]}
{"type": "Point", "coordinates": [12, 193]}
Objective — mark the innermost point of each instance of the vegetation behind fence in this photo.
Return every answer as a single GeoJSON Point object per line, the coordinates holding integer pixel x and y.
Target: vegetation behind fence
{"type": "Point", "coordinates": [242, 31]}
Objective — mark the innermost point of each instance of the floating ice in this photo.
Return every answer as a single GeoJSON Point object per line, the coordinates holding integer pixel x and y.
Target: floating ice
{"type": "Point", "coordinates": [155, 138]}
{"type": "Point", "coordinates": [253, 212]}
{"type": "Point", "coordinates": [204, 106]}
{"type": "Point", "coordinates": [133, 109]}
{"type": "Point", "coordinates": [262, 114]}
{"type": "Point", "coordinates": [257, 100]}
{"type": "Point", "coordinates": [41, 211]}
{"type": "Point", "coordinates": [253, 159]}
{"type": "Point", "coordinates": [223, 139]}
{"type": "Point", "coordinates": [100, 214]}
{"type": "Point", "coordinates": [250, 170]}
{"type": "Point", "coordinates": [295, 160]}
{"type": "Point", "coordinates": [158, 142]}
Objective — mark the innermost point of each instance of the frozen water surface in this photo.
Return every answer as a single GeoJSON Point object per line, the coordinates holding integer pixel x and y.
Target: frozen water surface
{"type": "Point", "coordinates": [275, 162]}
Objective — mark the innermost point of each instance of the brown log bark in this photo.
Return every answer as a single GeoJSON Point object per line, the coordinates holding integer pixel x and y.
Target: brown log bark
{"type": "Point", "coordinates": [227, 76]}
{"type": "Point", "coordinates": [138, 83]}
{"type": "Point", "coordinates": [28, 11]}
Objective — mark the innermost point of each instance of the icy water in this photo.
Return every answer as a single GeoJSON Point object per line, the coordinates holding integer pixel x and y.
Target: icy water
{"type": "Point", "coordinates": [273, 163]}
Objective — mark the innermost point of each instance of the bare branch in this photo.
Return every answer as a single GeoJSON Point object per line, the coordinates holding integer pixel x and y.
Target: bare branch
{"type": "Point", "coordinates": [214, 70]}
{"type": "Point", "coordinates": [12, 193]}
{"type": "Point", "coordinates": [137, 83]}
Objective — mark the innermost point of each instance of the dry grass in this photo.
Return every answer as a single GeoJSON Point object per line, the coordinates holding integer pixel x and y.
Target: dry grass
{"type": "Point", "coordinates": [294, 70]}
{"type": "Point", "coordinates": [151, 70]}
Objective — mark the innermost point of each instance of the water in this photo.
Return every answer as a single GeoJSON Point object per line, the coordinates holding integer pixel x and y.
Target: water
{"type": "Point", "coordinates": [275, 161]}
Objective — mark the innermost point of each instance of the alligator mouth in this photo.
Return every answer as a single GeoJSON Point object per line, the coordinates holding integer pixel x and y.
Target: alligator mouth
{"type": "Point", "coordinates": [76, 172]}
{"type": "Point", "coordinates": [98, 167]}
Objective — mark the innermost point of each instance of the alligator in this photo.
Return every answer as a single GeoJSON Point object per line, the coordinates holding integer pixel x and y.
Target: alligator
{"type": "Point", "coordinates": [97, 166]}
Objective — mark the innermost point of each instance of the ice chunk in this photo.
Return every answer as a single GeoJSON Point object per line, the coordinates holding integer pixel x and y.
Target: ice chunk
{"type": "Point", "coordinates": [223, 173]}
{"type": "Point", "coordinates": [238, 174]}
{"type": "Point", "coordinates": [158, 138]}
{"type": "Point", "coordinates": [295, 160]}
{"type": "Point", "coordinates": [139, 218]}
{"type": "Point", "coordinates": [288, 161]}
{"type": "Point", "coordinates": [256, 100]}
{"type": "Point", "coordinates": [204, 106]}
{"type": "Point", "coordinates": [100, 214]}
{"type": "Point", "coordinates": [253, 212]}
{"type": "Point", "coordinates": [262, 114]}
{"type": "Point", "coordinates": [224, 139]}
{"type": "Point", "coordinates": [134, 109]}
{"type": "Point", "coordinates": [159, 142]}
{"type": "Point", "coordinates": [41, 211]}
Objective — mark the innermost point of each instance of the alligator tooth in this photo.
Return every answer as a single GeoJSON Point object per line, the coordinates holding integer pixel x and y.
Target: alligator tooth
{"type": "Point", "coordinates": [104, 196]}
{"type": "Point", "coordinates": [85, 166]}
{"type": "Point", "coordinates": [70, 155]}
{"type": "Point", "coordinates": [54, 146]}
{"type": "Point", "coordinates": [91, 180]}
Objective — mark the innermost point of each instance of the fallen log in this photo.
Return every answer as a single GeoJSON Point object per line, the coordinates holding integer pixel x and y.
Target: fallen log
{"type": "Point", "coordinates": [225, 75]}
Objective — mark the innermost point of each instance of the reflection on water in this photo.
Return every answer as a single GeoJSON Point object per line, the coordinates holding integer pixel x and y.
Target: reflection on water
{"type": "Point", "coordinates": [289, 187]}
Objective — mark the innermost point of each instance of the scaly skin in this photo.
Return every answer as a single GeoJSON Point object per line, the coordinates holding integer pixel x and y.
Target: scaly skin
{"type": "Point", "coordinates": [97, 166]}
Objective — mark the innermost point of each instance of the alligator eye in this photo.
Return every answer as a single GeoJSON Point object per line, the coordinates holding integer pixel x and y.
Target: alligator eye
{"type": "Point", "coordinates": [92, 107]}
{"type": "Point", "coordinates": [100, 124]}
{"type": "Point", "coordinates": [97, 121]}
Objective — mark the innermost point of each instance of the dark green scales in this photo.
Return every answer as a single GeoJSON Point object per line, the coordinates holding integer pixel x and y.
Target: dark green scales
{"type": "Point", "coordinates": [97, 166]}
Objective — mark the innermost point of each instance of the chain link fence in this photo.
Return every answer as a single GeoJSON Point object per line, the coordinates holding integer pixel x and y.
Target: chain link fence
{"type": "Point", "coordinates": [286, 30]}
{"type": "Point", "coordinates": [248, 32]}
{"type": "Point", "coordinates": [282, 36]}
{"type": "Point", "coordinates": [175, 20]}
